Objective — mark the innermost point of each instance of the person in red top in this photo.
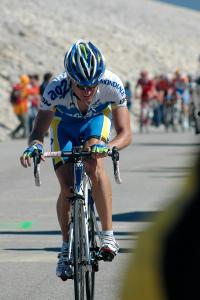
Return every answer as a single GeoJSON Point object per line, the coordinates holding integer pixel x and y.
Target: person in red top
{"type": "Point", "coordinates": [162, 86]}
{"type": "Point", "coordinates": [147, 87]}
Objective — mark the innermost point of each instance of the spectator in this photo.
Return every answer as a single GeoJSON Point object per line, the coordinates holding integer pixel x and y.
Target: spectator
{"type": "Point", "coordinates": [128, 92]}
{"type": "Point", "coordinates": [181, 86]}
{"type": "Point", "coordinates": [147, 88]}
{"type": "Point", "coordinates": [19, 101]}
{"type": "Point", "coordinates": [47, 77]}
{"type": "Point", "coordinates": [162, 87]}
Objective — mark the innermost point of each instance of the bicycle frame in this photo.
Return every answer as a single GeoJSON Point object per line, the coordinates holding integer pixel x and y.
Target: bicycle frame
{"type": "Point", "coordinates": [81, 256]}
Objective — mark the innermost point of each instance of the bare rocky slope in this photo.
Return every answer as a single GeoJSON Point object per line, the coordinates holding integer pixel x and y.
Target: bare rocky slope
{"type": "Point", "coordinates": [34, 36]}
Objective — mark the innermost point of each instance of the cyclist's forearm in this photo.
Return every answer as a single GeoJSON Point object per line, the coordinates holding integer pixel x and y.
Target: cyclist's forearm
{"type": "Point", "coordinates": [121, 140]}
{"type": "Point", "coordinates": [36, 137]}
{"type": "Point", "coordinates": [41, 126]}
{"type": "Point", "coordinates": [122, 125]}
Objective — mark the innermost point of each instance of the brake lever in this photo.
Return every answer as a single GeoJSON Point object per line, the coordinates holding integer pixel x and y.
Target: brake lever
{"type": "Point", "coordinates": [36, 162]}
{"type": "Point", "coordinates": [115, 159]}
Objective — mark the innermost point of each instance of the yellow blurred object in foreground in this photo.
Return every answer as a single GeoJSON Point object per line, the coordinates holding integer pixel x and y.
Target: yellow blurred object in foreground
{"type": "Point", "coordinates": [167, 258]}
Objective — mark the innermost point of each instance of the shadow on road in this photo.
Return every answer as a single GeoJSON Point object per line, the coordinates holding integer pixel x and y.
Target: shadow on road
{"type": "Point", "coordinates": [135, 216]}
{"type": "Point", "coordinates": [38, 232]}
{"type": "Point", "coordinates": [56, 250]}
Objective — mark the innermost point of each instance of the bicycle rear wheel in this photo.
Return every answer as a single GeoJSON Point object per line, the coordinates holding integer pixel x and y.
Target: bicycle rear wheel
{"type": "Point", "coordinates": [78, 251]}
{"type": "Point", "coordinates": [90, 275]}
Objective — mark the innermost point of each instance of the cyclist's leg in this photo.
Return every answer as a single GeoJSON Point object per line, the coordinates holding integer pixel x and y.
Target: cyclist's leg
{"type": "Point", "coordinates": [98, 131]}
{"type": "Point", "coordinates": [61, 140]}
{"type": "Point", "coordinates": [63, 269]}
{"type": "Point", "coordinates": [141, 116]}
{"type": "Point", "coordinates": [101, 188]}
{"type": "Point", "coordinates": [102, 195]}
{"type": "Point", "coordinates": [95, 131]}
{"type": "Point", "coordinates": [65, 177]}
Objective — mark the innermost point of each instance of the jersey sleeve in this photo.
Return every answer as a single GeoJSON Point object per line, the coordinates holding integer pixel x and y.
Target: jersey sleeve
{"type": "Point", "coordinates": [48, 98]}
{"type": "Point", "coordinates": [115, 90]}
{"type": "Point", "coordinates": [120, 99]}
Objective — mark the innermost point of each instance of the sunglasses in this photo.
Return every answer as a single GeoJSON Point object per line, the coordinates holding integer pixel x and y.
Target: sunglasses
{"type": "Point", "coordinates": [81, 87]}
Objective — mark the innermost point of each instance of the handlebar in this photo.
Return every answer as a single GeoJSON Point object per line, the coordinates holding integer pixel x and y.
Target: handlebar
{"type": "Point", "coordinates": [76, 154]}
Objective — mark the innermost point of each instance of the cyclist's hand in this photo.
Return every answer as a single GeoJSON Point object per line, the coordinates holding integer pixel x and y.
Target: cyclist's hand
{"type": "Point", "coordinates": [99, 150]}
{"type": "Point", "coordinates": [30, 152]}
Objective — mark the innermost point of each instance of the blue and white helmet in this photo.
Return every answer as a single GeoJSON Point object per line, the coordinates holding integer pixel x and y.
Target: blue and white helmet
{"type": "Point", "coordinates": [84, 63]}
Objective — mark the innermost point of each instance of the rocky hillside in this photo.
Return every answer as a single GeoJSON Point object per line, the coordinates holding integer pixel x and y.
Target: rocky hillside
{"type": "Point", "coordinates": [34, 36]}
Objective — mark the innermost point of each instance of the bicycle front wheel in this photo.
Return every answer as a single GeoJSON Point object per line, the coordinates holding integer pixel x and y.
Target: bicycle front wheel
{"type": "Point", "coordinates": [78, 252]}
{"type": "Point", "coordinates": [90, 276]}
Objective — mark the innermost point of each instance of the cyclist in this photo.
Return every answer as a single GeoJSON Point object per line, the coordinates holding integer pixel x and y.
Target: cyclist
{"type": "Point", "coordinates": [147, 88]}
{"type": "Point", "coordinates": [80, 102]}
{"type": "Point", "coordinates": [181, 87]}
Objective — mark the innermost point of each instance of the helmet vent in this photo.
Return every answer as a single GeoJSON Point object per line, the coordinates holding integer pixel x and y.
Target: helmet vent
{"type": "Point", "coordinates": [84, 63]}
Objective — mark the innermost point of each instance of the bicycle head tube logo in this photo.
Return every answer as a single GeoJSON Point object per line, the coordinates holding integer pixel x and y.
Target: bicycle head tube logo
{"type": "Point", "coordinates": [78, 176]}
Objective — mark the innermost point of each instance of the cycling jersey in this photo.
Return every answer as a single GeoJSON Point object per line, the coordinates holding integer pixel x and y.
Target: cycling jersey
{"type": "Point", "coordinates": [69, 124]}
{"type": "Point", "coordinates": [59, 97]}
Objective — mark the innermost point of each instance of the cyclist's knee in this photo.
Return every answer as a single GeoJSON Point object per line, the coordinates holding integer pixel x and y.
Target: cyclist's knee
{"type": "Point", "coordinates": [65, 175]}
{"type": "Point", "coordinates": [65, 193]}
{"type": "Point", "coordinates": [94, 168]}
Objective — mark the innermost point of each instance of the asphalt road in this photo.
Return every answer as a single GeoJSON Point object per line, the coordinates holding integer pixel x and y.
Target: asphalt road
{"type": "Point", "coordinates": [153, 169]}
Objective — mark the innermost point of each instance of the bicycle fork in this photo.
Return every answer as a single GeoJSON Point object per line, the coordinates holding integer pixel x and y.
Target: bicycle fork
{"type": "Point", "coordinates": [80, 193]}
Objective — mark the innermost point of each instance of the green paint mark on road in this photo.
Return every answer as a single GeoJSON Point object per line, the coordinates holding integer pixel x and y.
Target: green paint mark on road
{"type": "Point", "coordinates": [18, 225]}
{"type": "Point", "coordinates": [26, 224]}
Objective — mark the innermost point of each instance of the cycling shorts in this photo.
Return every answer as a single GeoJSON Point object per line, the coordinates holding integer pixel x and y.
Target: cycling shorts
{"type": "Point", "coordinates": [66, 134]}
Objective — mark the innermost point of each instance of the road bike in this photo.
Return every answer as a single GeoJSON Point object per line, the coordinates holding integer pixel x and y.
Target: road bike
{"type": "Point", "coordinates": [84, 231]}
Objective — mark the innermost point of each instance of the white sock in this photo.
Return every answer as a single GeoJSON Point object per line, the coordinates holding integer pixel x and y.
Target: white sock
{"type": "Point", "coordinates": [107, 233]}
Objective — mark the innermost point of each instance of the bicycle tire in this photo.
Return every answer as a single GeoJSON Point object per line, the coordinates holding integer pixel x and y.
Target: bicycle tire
{"type": "Point", "coordinates": [90, 276]}
{"type": "Point", "coordinates": [78, 251]}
